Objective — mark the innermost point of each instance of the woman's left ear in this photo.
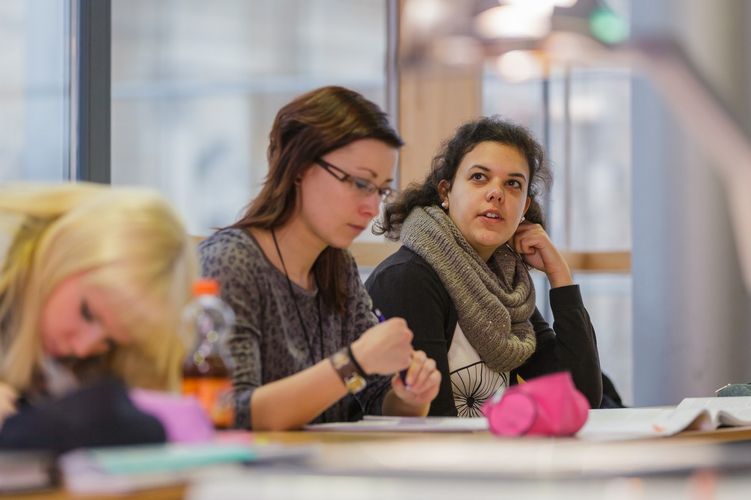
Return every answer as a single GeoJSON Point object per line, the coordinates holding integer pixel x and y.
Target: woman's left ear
{"type": "Point", "coordinates": [443, 188]}
{"type": "Point", "coordinates": [527, 204]}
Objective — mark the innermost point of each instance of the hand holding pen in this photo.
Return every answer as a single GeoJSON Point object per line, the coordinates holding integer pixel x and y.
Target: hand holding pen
{"type": "Point", "coordinates": [387, 348]}
{"type": "Point", "coordinates": [419, 383]}
{"type": "Point", "coordinates": [402, 373]}
{"type": "Point", "coordinates": [384, 348]}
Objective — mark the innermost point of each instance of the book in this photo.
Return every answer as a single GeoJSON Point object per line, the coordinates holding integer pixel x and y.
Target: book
{"type": "Point", "coordinates": [124, 469]}
{"type": "Point", "coordinates": [700, 414]}
{"type": "Point", "coordinates": [25, 471]}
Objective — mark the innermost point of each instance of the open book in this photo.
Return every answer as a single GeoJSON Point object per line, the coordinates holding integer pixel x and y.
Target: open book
{"type": "Point", "coordinates": [691, 414]}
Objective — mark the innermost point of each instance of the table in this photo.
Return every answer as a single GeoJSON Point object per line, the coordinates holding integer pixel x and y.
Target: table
{"type": "Point", "coordinates": [342, 451]}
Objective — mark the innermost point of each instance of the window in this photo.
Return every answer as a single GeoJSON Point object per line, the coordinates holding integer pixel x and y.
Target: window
{"type": "Point", "coordinates": [196, 85]}
{"type": "Point", "coordinates": [34, 90]}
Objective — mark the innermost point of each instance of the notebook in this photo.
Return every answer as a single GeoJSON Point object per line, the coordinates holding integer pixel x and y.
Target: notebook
{"type": "Point", "coordinates": [129, 468]}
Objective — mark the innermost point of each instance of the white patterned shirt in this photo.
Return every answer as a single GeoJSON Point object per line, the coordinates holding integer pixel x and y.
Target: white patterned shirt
{"type": "Point", "coordinates": [472, 381]}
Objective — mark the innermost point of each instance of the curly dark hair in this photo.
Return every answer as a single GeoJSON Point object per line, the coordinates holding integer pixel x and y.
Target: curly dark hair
{"type": "Point", "coordinates": [446, 163]}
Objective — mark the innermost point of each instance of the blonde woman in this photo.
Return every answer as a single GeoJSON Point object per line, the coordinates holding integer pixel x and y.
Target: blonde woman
{"type": "Point", "coordinates": [92, 282]}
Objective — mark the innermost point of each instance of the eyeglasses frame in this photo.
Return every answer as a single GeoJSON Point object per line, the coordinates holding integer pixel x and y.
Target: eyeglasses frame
{"type": "Point", "coordinates": [361, 185]}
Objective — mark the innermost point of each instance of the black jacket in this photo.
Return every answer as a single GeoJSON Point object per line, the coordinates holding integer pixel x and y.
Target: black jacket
{"type": "Point", "coordinates": [99, 414]}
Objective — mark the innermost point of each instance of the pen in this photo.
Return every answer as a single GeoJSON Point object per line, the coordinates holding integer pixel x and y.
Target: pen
{"type": "Point", "coordinates": [497, 395]}
{"type": "Point", "coordinates": [381, 319]}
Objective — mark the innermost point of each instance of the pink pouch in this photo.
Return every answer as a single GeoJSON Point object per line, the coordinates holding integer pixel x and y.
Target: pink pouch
{"type": "Point", "coordinates": [545, 406]}
{"type": "Point", "coordinates": [183, 418]}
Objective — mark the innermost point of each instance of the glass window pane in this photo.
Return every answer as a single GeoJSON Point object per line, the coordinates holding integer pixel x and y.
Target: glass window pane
{"type": "Point", "coordinates": [520, 102]}
{"type": "Point", "coordinates": [196, 86]}
{"type": "Point", "coordinates": [34, 90]}
{"type": "Point", "coordinates": [591, 200]}
{"type": "Point", "coordinates": [607, 298]}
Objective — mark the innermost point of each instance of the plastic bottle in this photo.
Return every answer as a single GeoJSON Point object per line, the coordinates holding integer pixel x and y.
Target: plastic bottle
{"type": "Point", "coordinates": [206, 371]}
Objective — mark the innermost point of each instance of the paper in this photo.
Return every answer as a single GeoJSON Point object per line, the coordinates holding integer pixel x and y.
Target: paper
{"type": "Point", "coordinates": [405, 424]}
{"type": "Point", "coordinates": [691, 414]}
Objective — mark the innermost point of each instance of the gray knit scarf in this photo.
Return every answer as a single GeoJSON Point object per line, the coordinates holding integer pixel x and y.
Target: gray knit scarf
{"type": "Point", "coordinates": [493, 305]}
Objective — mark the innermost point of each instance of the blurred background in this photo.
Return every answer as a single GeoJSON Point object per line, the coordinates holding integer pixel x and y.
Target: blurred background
{"type": "Point", "coordinates": [180, 96]}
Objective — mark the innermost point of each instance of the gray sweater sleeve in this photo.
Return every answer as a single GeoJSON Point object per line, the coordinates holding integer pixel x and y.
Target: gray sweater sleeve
{"type": "Point", "coordinates": [269, 342]}
{"type": "Point", "coordinates": [238, 288]}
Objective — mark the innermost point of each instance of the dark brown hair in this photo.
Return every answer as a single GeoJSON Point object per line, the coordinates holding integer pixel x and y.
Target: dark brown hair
{"type": "Point", "coordinates": [307, 128]}
{"type": "Point", "coordinates": [446, 163]}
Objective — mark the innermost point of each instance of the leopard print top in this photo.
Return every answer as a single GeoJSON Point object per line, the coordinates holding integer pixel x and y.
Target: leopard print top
{"type": "Point", "coordinates": [268, 342]}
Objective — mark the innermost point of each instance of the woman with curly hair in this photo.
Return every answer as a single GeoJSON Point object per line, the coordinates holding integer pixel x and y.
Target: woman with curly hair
{"type": "Point", "coordinates": [469, 232]}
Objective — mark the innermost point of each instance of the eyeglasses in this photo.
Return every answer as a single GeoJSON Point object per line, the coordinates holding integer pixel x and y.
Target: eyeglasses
{"type": "Point", "coordinates": [363, 186]}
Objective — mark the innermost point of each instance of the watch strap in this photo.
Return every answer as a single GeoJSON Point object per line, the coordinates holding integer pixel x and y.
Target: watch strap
{"type": "Point", "coordinates": [345, 368]}
{"type": "Point", "coordinates": [354, 362]}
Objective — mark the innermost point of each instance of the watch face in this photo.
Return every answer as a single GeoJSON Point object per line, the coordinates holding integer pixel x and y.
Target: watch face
{"type": "Point", "coordinates": [340, 360]}
{"type": "Point", "coordinates": [355, 383]}
{"type": "Point", "coordinates": [347, 371]}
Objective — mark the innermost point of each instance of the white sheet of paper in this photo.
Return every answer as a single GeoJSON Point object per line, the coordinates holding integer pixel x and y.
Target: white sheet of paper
{"type": "Point", "coordinates": [405, 424]}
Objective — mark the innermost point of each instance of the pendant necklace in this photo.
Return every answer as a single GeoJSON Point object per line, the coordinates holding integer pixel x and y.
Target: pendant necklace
{"type": "Point", "coordinates": [308, 339]}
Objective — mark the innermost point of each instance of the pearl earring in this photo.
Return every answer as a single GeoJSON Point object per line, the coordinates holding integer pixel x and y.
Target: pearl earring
{"type": "Point", "coordinates": [523, 219]}
{"type": "Point", "coordinates": [445, 205]}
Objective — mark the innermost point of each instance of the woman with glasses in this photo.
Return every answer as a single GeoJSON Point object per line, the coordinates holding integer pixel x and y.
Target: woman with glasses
{"type": "Point", "coordinates": [307, 346]}
{"type": "Point", "coordinates": [469, 233]}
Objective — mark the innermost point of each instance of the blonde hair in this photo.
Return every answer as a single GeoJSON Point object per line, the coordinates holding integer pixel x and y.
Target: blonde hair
{"type": "Point", "coordinates": [125, 242]}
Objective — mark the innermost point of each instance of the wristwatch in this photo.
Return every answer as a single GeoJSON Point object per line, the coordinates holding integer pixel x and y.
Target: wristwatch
{"type": "Point", "coordinates": [347, 370]}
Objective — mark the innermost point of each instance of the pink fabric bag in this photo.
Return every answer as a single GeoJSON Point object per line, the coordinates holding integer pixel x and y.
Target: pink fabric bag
{"type": "Point", "coordinates": [545, 406]}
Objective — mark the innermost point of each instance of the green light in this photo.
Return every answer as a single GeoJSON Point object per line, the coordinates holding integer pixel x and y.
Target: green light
{"type": "Point", "coordinates": [607, 27]}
